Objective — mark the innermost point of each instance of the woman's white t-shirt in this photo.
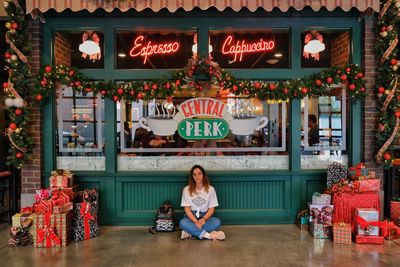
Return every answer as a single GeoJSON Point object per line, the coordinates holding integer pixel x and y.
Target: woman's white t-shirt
{"type": "Point", "coordinates": [199, 201]}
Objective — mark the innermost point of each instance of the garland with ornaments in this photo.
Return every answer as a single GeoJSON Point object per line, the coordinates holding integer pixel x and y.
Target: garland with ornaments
{"type": "Point", "coordinates": [198, 75]}
{"type": "Point", "coordinates": [387, 82]}
{"type": "Point", "coordinates": [17, 86]}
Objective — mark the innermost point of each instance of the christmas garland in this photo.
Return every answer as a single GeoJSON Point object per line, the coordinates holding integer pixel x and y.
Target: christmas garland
{"type": "Point", "coordinates": [387, 82]}
{"type": "Point", "coordinates": [18, 68]}
{"type": "Point", "coordinates": [198, 75]}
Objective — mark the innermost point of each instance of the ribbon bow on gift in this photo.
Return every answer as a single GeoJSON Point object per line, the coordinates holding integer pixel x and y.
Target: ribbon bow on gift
{"type": "Point", "coordinates": [27, 209]}
{"type": "Point", "coordinates": [388, 227]}
{"type": "Point", "coordinates": [48, 233]}
{"type": "Point", "coordinates": [366, 225]}
{"type": "Point", "coordinates": [85, 212]}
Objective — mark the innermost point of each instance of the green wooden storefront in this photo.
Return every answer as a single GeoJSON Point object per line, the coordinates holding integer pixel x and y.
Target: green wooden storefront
{"type": "Point", "coordinates": [246, 197]}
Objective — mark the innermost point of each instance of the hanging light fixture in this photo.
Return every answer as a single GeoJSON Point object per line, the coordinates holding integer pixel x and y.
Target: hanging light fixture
{"type": "Point", "coordinates": [313, 45]}
{"type": "Point", "coordinates": [90, 46]}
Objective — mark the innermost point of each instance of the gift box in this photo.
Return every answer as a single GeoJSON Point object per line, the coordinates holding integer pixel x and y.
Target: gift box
{"type": "Point", "coordinates": [367, 221]}
{"type": "Point", "coordinates": [52, 230]}
{"type": "Point", "coordinates": [302, 220]}
{"type": "Point", "coordinates": [358, 172]}
{"type": "Point", "coordinates": [335, 172]}
{"type": "Point", "coordinates": [342, 233]}
{"type": "Point", "coordinates": [69, 191]}
{"type": "Point", "coordinates": [370, 185]}
{"type": "Point", "coordinates": [61, 179]}
{"type": "Point", "coordinates": [369, 239]}
{"type": "Point", "coordinates": [321, 214]}
{"type": "Point", "coordinates": [395, 211]}
{"type": "Point", "coordinates": [320, 231]}
{"type": "Point", "coordinates": [321, 199]}
{"type": "Point", "coordinates": [84, 223]}
{"type": "Point", "coordinates": [24, 220]}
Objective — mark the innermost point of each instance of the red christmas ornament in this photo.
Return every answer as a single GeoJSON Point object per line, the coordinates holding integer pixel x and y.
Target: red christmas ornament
{"type": "Point", "coordinates": [304, 90]}
{"type": "Point", "coordinates": [234, 88]}
{"type": "Point", "coordinates": [47, 69]}
{"type": "Point", "coordinates": [120, 91]}
{"type": "Point", "coordinates": [77, 83]}
{"type": "Point", "coordinates": [285, 91]}
{"type": "Point", "coordinates": [362, 89]}
{"type": "Point", "coordinates": [146, 87]}
{"type": "Point", "coordinates": [88, 89]}
{"type": "Point", "coordinates": [383, 29]}
{"type": "Point", "coordinates": [343, 77]}
{"type": "Point", "coordinates": [360, 75]}
{"type": "Point", "coordinates": [246, 92]}
{"type": "Point", "coordinates": [177, 82]}
{"type": "Point", "coordinates": [154, 86]}
{"type": "Point", "coordinates": [132, 92]}
{"type": "Point", "coordinates": [13, 126]}
{"type": "Point", "coordinates": [39, 97]}
{"type": "Point", "coordinates": [71, 73]}
{"type": "Point", "coordinates": [257, 85]}
{"type": "Point", "coordinates": [387, 156]}
{"type": "Point", "coordinates": [18, 112]}
{"type": "Point", "coordinates": [329, 80]}
{"type": "Point", "coordinates": [43, 82]}
{"type": "Point", "coordinates": [140, 95]}
{"type": "Point", "coordinates": [5, 85]}
{"type": "Point", "coordinates": [393, 61]}
{"type": "Point", "coordinates": [318, 82]}
{"type": "Point", "coordinates": [7, 55]}
{"type": "Point", "coordinates": [19, 155]}
{"type": "Point", "coordinates": [14, 26]}
{"type": "Point", "coordinates": [348, 70]}
{"type": "Point", "coordinates": [103, 92]}
{"type": "Point", "coordinates": [381, 127]}
{"type": "Point", "coordinates": [352, 87]}
{"type": "Point", "coordinates": [381, 90]}
{"type": "Point", "coordinates": [168, 85]}
{"type": "Point", "coordinates": [397, 113]}
{"type": "Point", "coordinates": [115, 98]}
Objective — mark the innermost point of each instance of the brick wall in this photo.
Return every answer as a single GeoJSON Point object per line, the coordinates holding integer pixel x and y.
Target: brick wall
{"type": "Point", "coordinates": [340, 50]}
{"type": "Point", "coordinates": [31, 171]}
{"type": "Point", "coordinates": [62, 48]}
{"type": "Point", "coordinates": [370, 111]}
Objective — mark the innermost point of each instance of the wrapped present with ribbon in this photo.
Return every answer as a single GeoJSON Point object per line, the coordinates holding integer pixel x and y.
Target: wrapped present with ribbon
{"type": "Point", "coordinates": [395, 210]}
{"type": "Point", "coordinates": [321, 199]}
{"type": "Point", "coordinates": [321, 214]}
{"type": "Point", "coordinates": [342, 233]}
{"type": "Point", "coordinates": [84, 223]}
{"type": "Point", "coordinates": [43, 206]}
{"type": "Point", "coordinates": [335, 173]}
{"type": "Point", "coordinates": [52, 230]}
{"type": "Point", "coordinates": [369, 239]}
{"type": "Point", "coordinates": [389, 230]}
{"type": "Point", "coordinates": [69, 191]}
{"type": "Point", "coordinates": [320, 231]}
{"type": "Point", "coordinates": [19, 236]}
{"type": "Point", "coordinates": [24, 221]}
{"type": "Point", "coordinates": [358, 172]}
{"type": "Point", "coordinates": [367, 221]}
{"type": "Point", "coordinates": [302, 220]}
{"type": "Point", "coordinates": [370, 185]}
{"type": "Point", "coordinates": [42, 194]}
{"type": "Point", "coordinates": [61, 178]}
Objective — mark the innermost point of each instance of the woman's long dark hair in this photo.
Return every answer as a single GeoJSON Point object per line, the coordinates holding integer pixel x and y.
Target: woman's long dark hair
{"type": "Point", "coordinates": [192, 182]}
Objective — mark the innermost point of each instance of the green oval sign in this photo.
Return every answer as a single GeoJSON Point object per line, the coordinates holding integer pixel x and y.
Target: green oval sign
{"type": "Point", "coordinates": [203, 128]}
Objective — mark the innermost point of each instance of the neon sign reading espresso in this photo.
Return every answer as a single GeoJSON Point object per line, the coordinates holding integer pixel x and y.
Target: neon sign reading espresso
{"type": "Point", "coordinates": [242, 47]}
{"type": "Point", "coordinates": [147, 49]}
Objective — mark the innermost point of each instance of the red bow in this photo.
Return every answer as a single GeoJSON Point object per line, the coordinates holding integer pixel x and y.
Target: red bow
{"type": "Point", "coordinates": [388, 227]}
{"type": "Point", "coordinates": [85, 212]}
{"type": "Point", "coordinates": [364, 224]}
{"type": "Point", "coordinates": [48, 233]}
{"type": "Point", "coordinates": [27, 209]}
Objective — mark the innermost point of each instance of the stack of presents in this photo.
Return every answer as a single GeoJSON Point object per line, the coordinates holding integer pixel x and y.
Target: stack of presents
{"type": "Point", "coordinates": [60, 213]}
{"type": "Point", "coordinates": [350, 208]}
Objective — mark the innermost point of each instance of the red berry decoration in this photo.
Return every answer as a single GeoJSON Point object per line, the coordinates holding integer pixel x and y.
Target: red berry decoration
{"type": "Point", "coordinates": [393, 61]}
{"type": "Point", "coordinates": [120, 91]}
{"type": "Point", "coordinates": [39, 97]}
{"type": "Point", "coordinates": [14, 26]}
{"type": "Point", "coordinates": [7, 55]}
{"type": "Point", "coordinates": [318, 82]}
{"type": "Point", "coordinates": [381, 90]}
{"type": "Point", "coordinates": [304, 90]}
{"type": "Point", "coordinates": [18, 112]}
{"type": "Point", "coordinates": [19, 155]}
{"type": "Point", "coordinates": [47, 69]}
{"type": "Point", "coordinates": [329, 80]}
{"type": "Point", "coordinates": [13, 126]}
{"type": "Point", "coordinates": [343, 77]}
{"type": "Point", "coordinates": [387, 156]}
{"type": "Point", "coordinates": [352, 87]}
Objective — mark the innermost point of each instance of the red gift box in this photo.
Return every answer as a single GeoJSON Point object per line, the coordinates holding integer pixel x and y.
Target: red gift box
{"type": "Point", "coordinates": [370, 239]}
{"type": "Point", "coordinates": [395, 211]}
{"type": "Point", "coordinates": [52, 230]}
{"type": "Point", "coordinates": [371, 185]}
{"type": "Point", "coordinates": [342, 233]}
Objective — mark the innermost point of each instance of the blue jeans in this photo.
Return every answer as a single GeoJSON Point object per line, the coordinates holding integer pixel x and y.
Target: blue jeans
{"type": "Point", "coordinates": [211, 224]}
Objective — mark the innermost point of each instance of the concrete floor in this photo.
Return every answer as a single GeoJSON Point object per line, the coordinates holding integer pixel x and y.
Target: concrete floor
{"type": "Point", "coordinates": [265, 245]}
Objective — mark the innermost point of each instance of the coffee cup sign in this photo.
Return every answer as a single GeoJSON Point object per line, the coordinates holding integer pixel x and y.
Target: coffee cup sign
{"type": "Point", "coordinates": [203, 118]}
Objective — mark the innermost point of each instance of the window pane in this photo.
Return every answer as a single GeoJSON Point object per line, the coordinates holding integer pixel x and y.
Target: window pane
{"type": "Point", "coordinates": [80, 130]}
{"type": "Point", "coordinates": [250, 48]}
{"type": "Point", "coordinates": [81, 49]}
{"type": "Point", "coordinates": [154, 48]}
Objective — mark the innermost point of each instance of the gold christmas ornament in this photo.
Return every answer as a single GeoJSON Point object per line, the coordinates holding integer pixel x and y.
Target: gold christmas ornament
{"type": "Point", "coordinates": [384, 34]}
{"type": "Point", "coordinates": [395, 67]}
{"type": "Point", "coordinates": [387, 92]}
{"type": "Point", "coordinates": [8, 25]}
{"type": "Point", "coordinates": [14, 57]}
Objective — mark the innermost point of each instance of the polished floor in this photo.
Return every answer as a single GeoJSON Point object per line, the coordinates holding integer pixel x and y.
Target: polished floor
{"type": "Point", "coordinates": [265, 245]}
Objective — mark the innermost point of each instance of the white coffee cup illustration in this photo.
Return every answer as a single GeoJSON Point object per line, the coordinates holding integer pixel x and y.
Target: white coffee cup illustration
{"type": "Point", "coordinates": [247, 125]}
{"type": "Point", "coordinates": [159, 125]}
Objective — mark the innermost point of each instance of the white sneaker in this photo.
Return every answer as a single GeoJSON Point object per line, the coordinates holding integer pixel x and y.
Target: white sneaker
{"type": "Point", "coordinates": [217, 235]}
{"type": "Point", "coordinates": [185, 235]}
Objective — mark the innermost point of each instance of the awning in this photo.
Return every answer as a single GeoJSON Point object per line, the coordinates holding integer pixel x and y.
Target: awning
{"type": "Point", "coordinates": [187, 5]}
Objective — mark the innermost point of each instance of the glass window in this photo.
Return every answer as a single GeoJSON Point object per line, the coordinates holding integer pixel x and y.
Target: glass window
{"type": "Point", "coordinates": [80, 49]}
{"type": "Point", "coordinates": [80, 130]}
{"type": "Point", "coordinates": [325, 49]}
{"type": "Point", "coordinates": [324, 137]}
{"type": "Point", "coordinates": [251, 49]}
{"type": "Point", "coordinates": [154, 48]}
{"type": "Point", "coordinates": [201, 127]}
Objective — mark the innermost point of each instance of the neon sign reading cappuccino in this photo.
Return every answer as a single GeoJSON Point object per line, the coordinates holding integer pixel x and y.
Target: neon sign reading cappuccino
{"type": "Point", "coordinates": [147, 49]}
{"type": "Point", "coordinates": [242, 47]}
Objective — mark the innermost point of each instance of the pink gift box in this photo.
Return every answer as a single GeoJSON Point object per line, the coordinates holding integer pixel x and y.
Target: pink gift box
{"type": "Point", "coordinates": [371, 185]}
